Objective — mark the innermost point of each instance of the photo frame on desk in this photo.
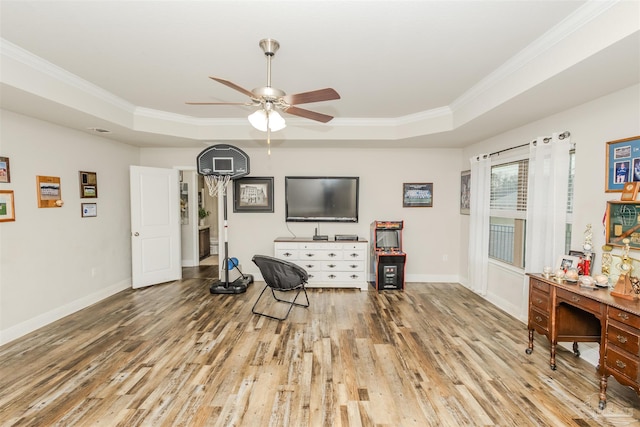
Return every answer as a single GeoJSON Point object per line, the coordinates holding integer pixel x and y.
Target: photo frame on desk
{"type": "Point", "coordinates": [565, 262]}
{"type": "Point", "coordinates": [622, 223]}
{"type": "Point", "coordinates": [622, 159]}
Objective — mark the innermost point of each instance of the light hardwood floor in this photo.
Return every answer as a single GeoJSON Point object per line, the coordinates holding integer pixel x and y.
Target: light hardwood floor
{"type": "Point", "coordinates": [175, 355]}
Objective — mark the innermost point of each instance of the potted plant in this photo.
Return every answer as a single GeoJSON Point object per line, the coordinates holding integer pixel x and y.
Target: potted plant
{"type": "Point", "coordinates": [202, 214]}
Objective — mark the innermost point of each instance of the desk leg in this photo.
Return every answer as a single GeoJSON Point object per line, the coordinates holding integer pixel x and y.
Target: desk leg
{"type": "Point", "coordinates": [529, 349]}
{"type": "Point", "coordinates": [576, 351]}
{"type": "Point", "coordinates": [603, 392]}
{"type": "Point", "coordinates": [552, 361]}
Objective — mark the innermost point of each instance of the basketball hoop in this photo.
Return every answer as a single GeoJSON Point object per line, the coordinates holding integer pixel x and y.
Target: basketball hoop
{"type": "Point", "coordinates": [217, 184]}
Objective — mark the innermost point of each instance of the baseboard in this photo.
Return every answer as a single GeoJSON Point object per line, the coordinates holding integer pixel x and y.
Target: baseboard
{"type": "Point", "coordinates": [30, 325]}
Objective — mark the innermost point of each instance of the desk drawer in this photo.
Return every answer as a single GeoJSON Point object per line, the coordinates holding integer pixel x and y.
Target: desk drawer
{"type": "Point", "coordinates": [624, 337]}
{"type": "Point", "coordinates": [624, 317]}
{"type": "Point", "coordinates": [540, 300]}
{"type": "Point", "coordinates": [621, 363]}
{"type": "Point", "coordinates": [579, 301]}
{"type": "Point", "coordinates": [538, 320]}
{"type": "Point", "coordinates": [540, 286]}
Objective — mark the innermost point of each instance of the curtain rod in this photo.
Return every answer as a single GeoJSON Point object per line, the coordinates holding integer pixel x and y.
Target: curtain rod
{"type": "Point", "coordinates": [563, 135]}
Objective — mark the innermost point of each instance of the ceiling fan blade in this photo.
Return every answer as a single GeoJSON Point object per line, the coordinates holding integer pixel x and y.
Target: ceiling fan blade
{"type": "Point", "coordinates": [234, 86]}
{"type": "Point", "coordinates": [313, 96]}
{"type": "Point", "coordinates": [219, 103]}
{"type": "Point", "coordinates": [319, 117]}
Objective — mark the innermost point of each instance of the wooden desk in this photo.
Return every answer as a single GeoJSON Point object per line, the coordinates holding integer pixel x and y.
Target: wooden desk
{"type": "Point", "coordinates": [567, 312]}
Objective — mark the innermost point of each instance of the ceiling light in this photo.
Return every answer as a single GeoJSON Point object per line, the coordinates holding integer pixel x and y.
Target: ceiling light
{"type": "Point", "coordinates": [259, 120]}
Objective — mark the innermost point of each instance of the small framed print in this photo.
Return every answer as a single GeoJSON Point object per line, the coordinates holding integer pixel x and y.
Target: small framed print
{"type": "Point", "coordinates": [566, 262]}
{"type": "Point", "coordinates": [417, 195]}
{"type": "Point", "coordinates": [89, 210]}
{"type": "Point", "coordinates": [622, 163]}
{"type": "Point", "coordinates": [465, 192]}
{"type": "Point", "coordinates": [5, 172]}
{"type": "Point", "coordinates": [49, 191]}
{"type": "Point", "coordinates": [7, 209]}
{"type": "Point", "coordinates": [88, 185]}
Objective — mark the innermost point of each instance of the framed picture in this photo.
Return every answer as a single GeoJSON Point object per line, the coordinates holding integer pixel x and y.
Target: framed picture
{"type": "Point", "coordinates": [622, 163]}
{"type": "Point", "coordinates": [622, 223]}
{"type": "Point", "coordinates": [581, 256]}
{"type": "Point", "coordinates": [465, 192]}
{"type": "Point", "coordinates": [88, 185]}
{"type": "Point", "coordinates": [417, 195]}
{"type": "Point", "coordinates": [7, 209]}
{"type": "Point", "coordinates": [49, 191]}
{"type": "Point", "coordinates": [89, 209]}
{"type": "Point", "coordinates": [566, 262]}
{"type": "Point", "coordinates": [5, 172]}
{"type": "Point", "coordinates": [253, 194]}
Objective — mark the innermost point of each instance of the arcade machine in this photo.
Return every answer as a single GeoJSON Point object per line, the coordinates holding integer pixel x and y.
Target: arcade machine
{"type": "Point", "coordinates": [220, 164]}
{"type": "Point", "coordinates": [387, 259]}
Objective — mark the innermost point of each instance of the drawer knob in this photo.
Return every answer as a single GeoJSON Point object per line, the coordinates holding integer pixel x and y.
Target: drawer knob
{"type": "Point", "coordinates": [621, 364]}
{"type": "Point", "coordinates": [287, 254]}
{"type": "Point", "coordinates": [309, 255]}
{"type": "Point", "coordinates": [621, 338]}
{"type": "Point", "coordinates": [309, 265]}
{"type": "Point", "coordinates": [353, 266]}
{"type": "Point", "coordinates": [354, 276]}
{"type": "Point", "coordinates": [332, 276]}
{"type": "Point", "coordinates": [538, 301]}
{"type": "Point", "coordinates": [538, 319]}
{"type": "Point", "coordinates": [623, 316]}
{"type": "Point", "coordinates": [332, 254]}
{"type": "Point", "coordinates": [354, 255]}
{"type": "Point", "coordinates": [575, 298]}
{"type": "Point", "coordinates": [331, 266]}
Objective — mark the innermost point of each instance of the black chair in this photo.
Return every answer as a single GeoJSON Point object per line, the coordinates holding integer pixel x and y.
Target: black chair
{"type": "Point", "coordinates": [281, 276]}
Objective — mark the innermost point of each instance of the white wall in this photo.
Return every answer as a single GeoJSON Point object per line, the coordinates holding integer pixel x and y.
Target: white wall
{"type": "Point", "coordinates": [430, 234]}
{"type": "Point", "coordinates": [52, 261]}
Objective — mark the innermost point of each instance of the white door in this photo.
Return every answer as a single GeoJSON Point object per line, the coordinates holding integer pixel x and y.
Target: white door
{"type": "Point", "coordinates": [155, 226]}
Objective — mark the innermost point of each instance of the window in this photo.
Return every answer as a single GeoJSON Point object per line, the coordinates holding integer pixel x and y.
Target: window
{"type": "Point", "coordinates": [508, 203]}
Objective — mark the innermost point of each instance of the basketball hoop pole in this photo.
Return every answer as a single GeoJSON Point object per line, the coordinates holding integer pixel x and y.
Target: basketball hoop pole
{"type": "Point", "coordinates": [224, 163]}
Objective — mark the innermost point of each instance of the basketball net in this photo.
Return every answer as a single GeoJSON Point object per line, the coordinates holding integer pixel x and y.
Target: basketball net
{"type": "Point", "coordinates": [217, 183]}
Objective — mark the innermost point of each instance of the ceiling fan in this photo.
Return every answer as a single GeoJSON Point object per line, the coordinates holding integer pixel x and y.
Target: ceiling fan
{"type": "Point", "coordinates": [271, 99]}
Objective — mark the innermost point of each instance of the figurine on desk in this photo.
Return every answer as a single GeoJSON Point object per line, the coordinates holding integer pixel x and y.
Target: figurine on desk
{"type": "Point", "coordinates": [627, 286]}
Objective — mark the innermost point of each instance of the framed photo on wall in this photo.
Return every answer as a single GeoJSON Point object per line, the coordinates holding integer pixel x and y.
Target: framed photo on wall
{"type": "Point", "coordinates": [253, 194]}
{"type": "Point", "coordinates": [88, 185]}
{"type": "Point", "coordinates": [49, 191]}
{"type": "Point", "coordinates": [417, 195]}
{"type": "Point", "coordinates": [5, 172]}
{"type": "Point", "coordinates": [7, 206]}
{"type": "Point", "coordinates": [622, 163]}
{"type": "Point", "coordinates": [465, 192]}
{"type": "Point", "coordinates": [89, 209]}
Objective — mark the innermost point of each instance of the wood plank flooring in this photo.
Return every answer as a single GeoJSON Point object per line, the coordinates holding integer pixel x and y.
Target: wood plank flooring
{"type": "Point", "coordinates": [175, 355]}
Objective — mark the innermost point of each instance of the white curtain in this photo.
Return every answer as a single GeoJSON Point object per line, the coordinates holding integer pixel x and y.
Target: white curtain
{"type": "Point", "coordinates": [479, 223]}
{"type": "Point", "coordinates": [547, 201]}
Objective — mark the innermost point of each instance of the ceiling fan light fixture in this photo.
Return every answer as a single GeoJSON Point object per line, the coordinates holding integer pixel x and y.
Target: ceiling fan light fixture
{"type": "Point", "coordinates": [258, 120]}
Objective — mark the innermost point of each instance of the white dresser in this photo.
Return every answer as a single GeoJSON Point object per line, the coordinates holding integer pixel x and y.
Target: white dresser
{"type": "Point", "coordinates": [330, 264]}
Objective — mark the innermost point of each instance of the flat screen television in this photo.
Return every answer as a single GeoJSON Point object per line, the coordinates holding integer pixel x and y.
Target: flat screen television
{"type": "Point", "coordinates": [321, 199]}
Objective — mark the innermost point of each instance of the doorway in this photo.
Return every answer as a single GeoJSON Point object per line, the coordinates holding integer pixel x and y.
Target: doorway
{"type": "Point", "coordinates": [200, 226]}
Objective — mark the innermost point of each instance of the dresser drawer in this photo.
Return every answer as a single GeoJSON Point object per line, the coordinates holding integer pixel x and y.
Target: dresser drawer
{"type": "Point", "coordinates": [540, 286]}
{"type": "Point", "coordinates": [538, 319]}
{"type": "Point", "coordinates": [314, 254]}
{"type": "Point", "coordinates": [343, 266]}
{"type": "Point", "coordinates": [621, 363]}
{"type": "Point", "coordinates": [286, 253]}
{"type": "Point", "coordinates": [624, 337]}
{"type": "Point", "coordinates": [624, 317]}
{"type": "Point", "coordinates": [579, 301]}
{"type": "Point", "coordinates": [539, 300]}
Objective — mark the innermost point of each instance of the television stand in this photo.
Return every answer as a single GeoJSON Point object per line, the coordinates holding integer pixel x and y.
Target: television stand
{"type": "Point", "coordinates": [329, 263]}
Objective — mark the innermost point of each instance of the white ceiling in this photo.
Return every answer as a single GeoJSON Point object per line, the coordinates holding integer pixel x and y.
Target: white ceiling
{"type": "Point", "coordinates": [410, 73]}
